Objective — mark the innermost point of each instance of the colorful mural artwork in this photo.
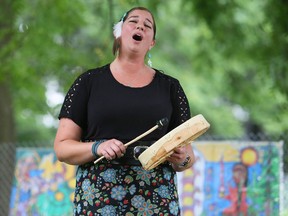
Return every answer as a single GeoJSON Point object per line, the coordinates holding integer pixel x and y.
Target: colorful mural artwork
{"type": "Point", "coordinates": [42, 185]}
{"type": "Point", "coordinates": [228, 179]}
{"type": "Point", "coordinates": [233, 179]}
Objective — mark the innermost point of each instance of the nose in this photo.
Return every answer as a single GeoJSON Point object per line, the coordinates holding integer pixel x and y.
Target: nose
{"type": "Point", "coordinates": [140, 27]}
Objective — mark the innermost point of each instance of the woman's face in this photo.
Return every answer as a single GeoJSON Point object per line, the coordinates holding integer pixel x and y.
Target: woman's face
{"type": "Point", "coordinates": [137, 31]}
{"type": "Point", "coordinates": [239, 174]}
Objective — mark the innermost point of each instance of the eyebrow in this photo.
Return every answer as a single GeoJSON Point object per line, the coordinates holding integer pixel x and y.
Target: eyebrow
{"type": "Point", "coordinates": [135, 16]}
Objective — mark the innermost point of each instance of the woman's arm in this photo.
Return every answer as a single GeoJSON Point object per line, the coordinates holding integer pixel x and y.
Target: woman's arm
{"type": "Point", "coordinates": [71, 150]}
{"type": "Point", "coordinates": [181, 113]}
{"type": "Point", "coordinates": [67, 144]}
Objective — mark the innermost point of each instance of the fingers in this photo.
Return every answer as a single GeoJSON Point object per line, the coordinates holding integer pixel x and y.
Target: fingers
{"type": "Point", "coordinates": [112, 149]}
{"type": "Point", "coordinates": [117, 148]}
{"type": "Point", "coordinates": [178, 155]}
{"type": "Point", "coordinates": [179, 152]}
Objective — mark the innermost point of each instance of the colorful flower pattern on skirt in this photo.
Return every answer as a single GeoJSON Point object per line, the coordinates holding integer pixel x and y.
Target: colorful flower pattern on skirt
{"type": "Point", "coordinates": [114, 190]}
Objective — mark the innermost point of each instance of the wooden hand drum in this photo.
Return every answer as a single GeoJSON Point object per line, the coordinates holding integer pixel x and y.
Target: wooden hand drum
{"type": "Point", "coordinates": [182, 135]}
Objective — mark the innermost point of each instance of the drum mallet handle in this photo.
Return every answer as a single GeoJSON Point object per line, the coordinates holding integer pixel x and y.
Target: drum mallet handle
{"type": "Point", "coordinates": [159, 124]}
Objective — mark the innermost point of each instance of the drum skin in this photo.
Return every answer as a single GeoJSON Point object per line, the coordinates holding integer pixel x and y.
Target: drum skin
{"type": "Point", "coordinates": [182, 135]}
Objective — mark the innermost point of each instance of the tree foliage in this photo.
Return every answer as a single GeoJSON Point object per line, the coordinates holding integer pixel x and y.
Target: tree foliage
{"type": "Point", "coordinates": [230, 56]}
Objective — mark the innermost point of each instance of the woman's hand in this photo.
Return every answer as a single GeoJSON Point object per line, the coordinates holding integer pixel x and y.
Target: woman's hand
{"type": "Point", "coordinates": [111, 149]}
{"type": "Point", "coordinates": [182, 155]}
{"type": "Point", "coordinates": [178, 156]}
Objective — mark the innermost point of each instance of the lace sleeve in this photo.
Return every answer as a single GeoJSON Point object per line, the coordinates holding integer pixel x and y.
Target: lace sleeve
{"type": "Point", "coordinates": [181, 109]}
{"type": "Point", "coordinates": [75, 103]}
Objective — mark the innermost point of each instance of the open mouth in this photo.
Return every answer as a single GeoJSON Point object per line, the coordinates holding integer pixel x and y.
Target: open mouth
{"type": "Point", "coordinates": [137, 37]}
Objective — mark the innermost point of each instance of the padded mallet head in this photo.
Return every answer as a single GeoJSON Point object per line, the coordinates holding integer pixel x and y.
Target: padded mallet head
{"type": "Point", "coordinates": [163, 122]}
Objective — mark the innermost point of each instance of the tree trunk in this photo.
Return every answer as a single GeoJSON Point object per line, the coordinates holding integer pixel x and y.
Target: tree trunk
{"type": "Point", "coordinates": [7, 148]}
{"type": "Point", "coordinates": [7, 131]}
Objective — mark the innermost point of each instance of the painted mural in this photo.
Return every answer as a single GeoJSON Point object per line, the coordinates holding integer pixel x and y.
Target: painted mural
{"type": "Point", "coordinates": [228, 179]}
{"type": "Point", "coordinates": [233, 179]}
{"type": "Point", "coordinates": [42, 185]}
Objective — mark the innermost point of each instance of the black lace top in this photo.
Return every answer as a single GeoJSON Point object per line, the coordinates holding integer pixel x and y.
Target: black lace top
{"type": "Point", "coordinates": [105, 109]}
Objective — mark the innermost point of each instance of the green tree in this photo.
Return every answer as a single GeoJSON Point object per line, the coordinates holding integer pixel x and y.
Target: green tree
{"type": "Point", "coordinates": [7, 125]}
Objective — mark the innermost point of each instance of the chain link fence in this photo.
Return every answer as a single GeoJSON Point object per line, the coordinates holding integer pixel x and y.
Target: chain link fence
{"type": "Point", "coordinates": [8, 159]}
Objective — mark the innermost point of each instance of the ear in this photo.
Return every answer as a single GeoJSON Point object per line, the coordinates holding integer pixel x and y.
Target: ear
{"type": "Point", "coordinates": [152, 44]}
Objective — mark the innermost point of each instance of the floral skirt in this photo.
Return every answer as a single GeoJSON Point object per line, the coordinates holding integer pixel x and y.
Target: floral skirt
{"type": "Point", "coordinates": [114, 190]}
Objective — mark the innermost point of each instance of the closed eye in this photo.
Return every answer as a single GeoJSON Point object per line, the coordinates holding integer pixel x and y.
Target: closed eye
{"type": "Point", "coordinates": [148, 26]}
